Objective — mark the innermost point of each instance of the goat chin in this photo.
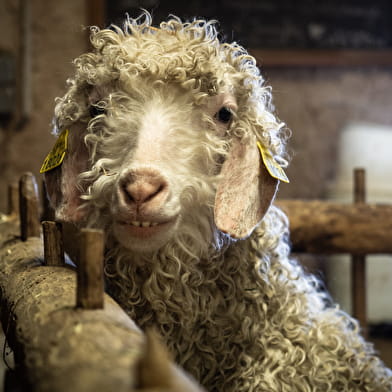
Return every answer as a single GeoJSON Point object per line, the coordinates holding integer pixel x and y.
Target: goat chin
{"type": "Point", "coordinates": [144, 239]}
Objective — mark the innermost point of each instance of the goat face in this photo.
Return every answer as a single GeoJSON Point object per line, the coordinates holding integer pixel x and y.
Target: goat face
{"type": "Point", "coordinates": [165, 165]}
{"type": "Point", "coordinates": [152, 114]}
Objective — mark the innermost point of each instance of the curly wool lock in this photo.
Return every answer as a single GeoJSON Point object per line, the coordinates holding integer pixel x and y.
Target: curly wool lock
{"type": "Point", "coordinates": [239, 315]}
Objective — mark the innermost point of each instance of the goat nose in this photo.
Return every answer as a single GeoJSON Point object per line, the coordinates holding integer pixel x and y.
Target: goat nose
{"type": "Point", "coordinates": [142, 187]}
{"type": "Point", "coordinates": [142, 192]}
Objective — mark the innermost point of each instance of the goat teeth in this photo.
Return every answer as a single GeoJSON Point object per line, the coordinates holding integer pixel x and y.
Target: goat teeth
{"type": "Point", "coordinates": [143, 224]}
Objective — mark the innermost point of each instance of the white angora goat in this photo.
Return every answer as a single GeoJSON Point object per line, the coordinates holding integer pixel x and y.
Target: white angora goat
{"type": "Point", "coordinates": [163, 127]}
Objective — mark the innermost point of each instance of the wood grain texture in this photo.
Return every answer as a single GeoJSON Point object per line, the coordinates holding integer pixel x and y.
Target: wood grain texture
{"type": "Point", "coordinates": [324, 227]}
{"type": "Point", "coordinates": [322, 57]}
{"type": "Point", "coordinates": [59, 348]}
{"type": "Point", "coordinates": [53, 243]}
{"type": "Point", "coordinates": [90, 270]}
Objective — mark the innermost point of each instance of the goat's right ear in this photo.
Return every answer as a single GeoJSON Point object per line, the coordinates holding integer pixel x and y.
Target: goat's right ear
{"type": "Point", "coordinates": [61, 182]}
{"type": "Point", "coordinates": [246, 190]}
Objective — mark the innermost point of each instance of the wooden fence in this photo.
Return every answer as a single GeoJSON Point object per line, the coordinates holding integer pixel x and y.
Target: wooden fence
{"type": "Point", "coordinates": [68, 335]}
{"type": "Point", "coordinates": [65, 332]}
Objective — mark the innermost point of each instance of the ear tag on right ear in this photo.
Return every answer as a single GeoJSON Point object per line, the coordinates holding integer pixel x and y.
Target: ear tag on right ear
{"type": "Point", "coordinates": [273, 168]}
{"type": "Point", "coordinates": [56, 156]}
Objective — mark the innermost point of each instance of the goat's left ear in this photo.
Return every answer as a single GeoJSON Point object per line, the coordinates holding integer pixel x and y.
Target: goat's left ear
{"type": "Point", "coordinates": [245, 191]}
{"type": "Point", "coordinates": [61, 181]}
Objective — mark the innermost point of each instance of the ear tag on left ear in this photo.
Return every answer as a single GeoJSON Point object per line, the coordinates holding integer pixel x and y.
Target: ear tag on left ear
{"type": "Point", "coordinates": [56, 156]}
{"type": "Point", "coordinates": [273, 168]}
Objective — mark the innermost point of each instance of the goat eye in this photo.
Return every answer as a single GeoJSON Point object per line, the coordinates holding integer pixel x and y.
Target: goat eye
{"type": "Point", "coordinates": [96, 111]}
{"type": "Point", "coordinates": [224, 115]}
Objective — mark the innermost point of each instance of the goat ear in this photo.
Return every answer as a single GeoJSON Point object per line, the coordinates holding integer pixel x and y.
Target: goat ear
{"type": "Point", "coordinates": [61, 182]}
{"type": "Point", "coordinates": [245, 192]}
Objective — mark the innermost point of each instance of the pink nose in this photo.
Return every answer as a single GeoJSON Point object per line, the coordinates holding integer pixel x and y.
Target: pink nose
{"type": "Point", "coordinates": [139, 187]}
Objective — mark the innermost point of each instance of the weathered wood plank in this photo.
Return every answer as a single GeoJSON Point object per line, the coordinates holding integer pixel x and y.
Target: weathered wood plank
{"type": "Point", "coordinates": [56, 344]}
{"type": "Point", "coordinates": [90, 270]}
{"type": "Point", "coordinates": [59, 347]}
{"type": "Point", "coordinates": [330, 228]}
{"type": "Point", "coordinates": [53, 243]}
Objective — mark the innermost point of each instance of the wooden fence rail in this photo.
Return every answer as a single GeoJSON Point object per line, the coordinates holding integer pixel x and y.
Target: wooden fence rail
{"type": "Point", "coordinates": [324, 227]}
{"type": "Point", "coordinates": [65, 332]}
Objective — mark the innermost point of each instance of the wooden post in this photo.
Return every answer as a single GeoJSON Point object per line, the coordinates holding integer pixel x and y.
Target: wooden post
{"type": "Point", "coordinates": [358, 261]}
{"type": "Point", "coordinates": [28, 207]}
{"type": "Point", "coordinates": [13, 199]}
{"type": "Point", "coordinates": [359, 186]}
{"type": "Point", "coordinates": [53, 243]}
{"type": "Point", "coordinates": [90, 287]}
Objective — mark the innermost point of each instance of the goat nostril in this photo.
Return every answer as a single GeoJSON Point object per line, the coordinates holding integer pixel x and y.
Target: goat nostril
{"type": "Point", "coordinates": [139, 192]}
{"type": "Point", "coordinates": [127, 193]}
{"type": "Point", "coordinates": [152, 195]}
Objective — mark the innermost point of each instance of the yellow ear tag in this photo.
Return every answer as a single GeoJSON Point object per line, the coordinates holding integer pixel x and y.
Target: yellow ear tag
{"type": "Point", "coordinates": [273, 168]}
{"type": "Point", "coordinates": [56, 156]}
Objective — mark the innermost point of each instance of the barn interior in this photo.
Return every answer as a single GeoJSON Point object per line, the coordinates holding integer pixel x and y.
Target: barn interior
{"type": "Point", "coordinates": [330, 69]}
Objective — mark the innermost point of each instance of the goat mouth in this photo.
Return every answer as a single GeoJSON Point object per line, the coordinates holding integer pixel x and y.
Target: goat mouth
{"type": "Point", "coordinates": [142, 224]}
{"type": "Point", "coordinates": [144, 229]}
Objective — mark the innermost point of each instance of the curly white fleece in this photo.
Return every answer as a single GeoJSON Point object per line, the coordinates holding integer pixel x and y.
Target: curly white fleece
{"type": "Point", "coordinates": [240, 316]}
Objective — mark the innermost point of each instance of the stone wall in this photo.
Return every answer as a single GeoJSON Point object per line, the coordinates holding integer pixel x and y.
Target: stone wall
{"type": "Point", "coordinates": [56, 36]}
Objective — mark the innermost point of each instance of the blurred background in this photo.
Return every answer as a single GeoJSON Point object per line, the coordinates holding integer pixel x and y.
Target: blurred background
{"type": "Point", "coordinates": [330, 67]}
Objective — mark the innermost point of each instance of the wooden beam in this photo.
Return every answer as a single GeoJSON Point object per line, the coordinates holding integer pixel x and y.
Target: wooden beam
{"type": "Point", "coordinates": [321, 57]}
{"type": "Point", "coordinates": [57, 347]}
{"type": "Point", "coordinates": [324, 227]}
{"type": "Point", "coordinates": [96, 13]}
{"type": "Point", "coordinates": [60, 348]}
